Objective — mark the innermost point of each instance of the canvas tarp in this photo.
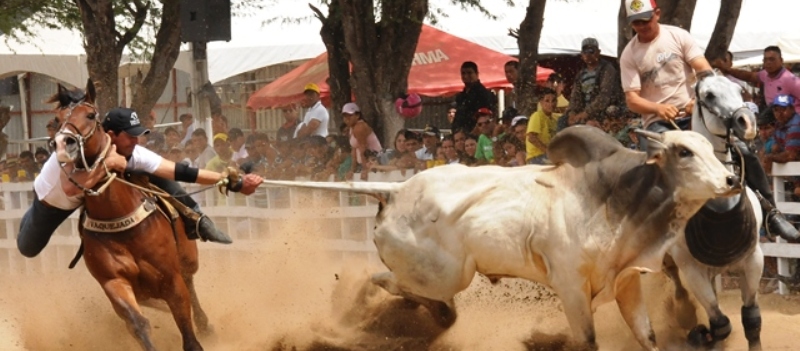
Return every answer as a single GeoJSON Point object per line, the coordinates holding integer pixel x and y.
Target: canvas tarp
{"type": "Point", "coordinates": [435, 71]}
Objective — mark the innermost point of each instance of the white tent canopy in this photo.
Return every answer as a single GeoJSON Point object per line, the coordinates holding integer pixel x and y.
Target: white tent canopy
{"type": "Point", "coordinates": [58, 53]}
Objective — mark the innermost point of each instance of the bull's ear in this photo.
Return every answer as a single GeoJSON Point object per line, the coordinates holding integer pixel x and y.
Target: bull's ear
{"type": "Point", "coordinates": [656, 148]}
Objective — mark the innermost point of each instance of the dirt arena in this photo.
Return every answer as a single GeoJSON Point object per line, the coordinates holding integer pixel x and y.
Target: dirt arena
{"type": "Point", "coordinates": [291, 295]}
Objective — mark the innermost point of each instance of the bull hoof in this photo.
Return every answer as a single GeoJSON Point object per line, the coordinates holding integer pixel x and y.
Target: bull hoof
{"type": "Point", "coordinates": [700, 336]}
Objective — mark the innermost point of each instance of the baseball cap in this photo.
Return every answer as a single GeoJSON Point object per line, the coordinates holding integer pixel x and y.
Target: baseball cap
{"type": "Point", "coordinates": [783, 101]}
{"type": "Point", "coordinates": [122, 119]}
{"type": "Point", "coordinates": [431, 130]}
{"type": "Point", "coordinates": [589, 43]}
{"type": "Point", "coordinates": [220, 136]}
{"type": "Point", "coordinates": [311, 86]}
{"type": "Point", "coordinates": [484, 111]}
{"type": "Point", "coordinates": [350, 108]}
{"type": "Point", "coordinates": [639, 9]}
{"type": "Point", "coordinates": [519, 119]}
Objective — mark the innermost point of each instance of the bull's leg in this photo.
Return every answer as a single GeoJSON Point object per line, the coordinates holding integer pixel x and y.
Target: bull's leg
{"type": "Point", "coordinates": [751, 314]}
{"type": "Point", "coordinates": [123, 300]}
{"type": "Point", "coordinates": [634, 310]}
{"type": "Point", "coordinates": [683, 307]}
{"type": "Point", "coordinates": [699, 281]}
{"type": "Point", "coordinates": [178, 299]}
{"type": "Point", "coordinates": [577, 307]}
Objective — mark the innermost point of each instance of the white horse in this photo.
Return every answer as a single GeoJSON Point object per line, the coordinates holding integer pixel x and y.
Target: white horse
{"type": "Point", "coordinates": [724, 235]}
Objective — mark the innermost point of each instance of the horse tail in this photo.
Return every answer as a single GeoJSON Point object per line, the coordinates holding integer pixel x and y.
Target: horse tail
{"type": "Point", "coordinates": [370, 188]}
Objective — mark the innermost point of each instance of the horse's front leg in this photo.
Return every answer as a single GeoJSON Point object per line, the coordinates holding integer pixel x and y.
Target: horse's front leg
{"type": "Point", "coordinates": [120, 293]}
{"type": "Point", "coordinates": [753, 268]}
{"type": "Point", "coordinates": [699, 281]}
{"type": "Point", "coordinates": [178, 299]}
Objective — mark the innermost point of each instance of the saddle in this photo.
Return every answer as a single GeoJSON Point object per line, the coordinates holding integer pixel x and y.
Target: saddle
{"type": "Point", "coordinates": [167, 206]}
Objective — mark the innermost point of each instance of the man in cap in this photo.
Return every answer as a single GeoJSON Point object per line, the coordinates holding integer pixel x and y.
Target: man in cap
{"type": "Point", "coordinates": [224, 157]}
{"type": "Point", "coordinates": [596, 88]}
{"type": "Point", "coordinates": [430, 138]}
{"type": "Point", "coordinates": [56, 197]}
{"type": "Point", "coordinates": [656, 66]}
{"type": "Point", "coordinates": [315, 121]}
{"type": "Point", "coordinates": [787, 131]}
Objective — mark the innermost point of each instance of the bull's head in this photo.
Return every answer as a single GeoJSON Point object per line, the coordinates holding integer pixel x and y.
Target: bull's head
{"type": "Point", "coordinates": [688, 159]}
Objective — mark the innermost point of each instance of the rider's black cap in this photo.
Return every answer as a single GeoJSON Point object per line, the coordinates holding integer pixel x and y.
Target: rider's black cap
{"type": "Point", "coordinates": [125, 120]}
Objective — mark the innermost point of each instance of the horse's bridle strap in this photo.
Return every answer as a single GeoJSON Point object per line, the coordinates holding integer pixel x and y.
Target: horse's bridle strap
{"type": "Point", "coordinates": [122, 223]}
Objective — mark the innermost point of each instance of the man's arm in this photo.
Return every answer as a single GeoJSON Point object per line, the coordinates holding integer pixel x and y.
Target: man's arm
{"type": "Point", "coordinates": [576, 97]}
{"type": "Point", "coordinates": [309, 128]}
{"type": "Point", "coordinates": [747, 76]}
{"type": "Point", "coordinates": [640, 105]}
{"type": "Point", "coordinates": [533, 138]}
{"type": "Point", "coordinates": [608, 89]}
{"type": "Point", "coordinates": [167, 170]}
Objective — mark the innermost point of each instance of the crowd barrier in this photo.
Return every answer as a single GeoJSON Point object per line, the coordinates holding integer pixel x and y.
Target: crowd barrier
{"type": "Point", "coordinates": [346, 219]}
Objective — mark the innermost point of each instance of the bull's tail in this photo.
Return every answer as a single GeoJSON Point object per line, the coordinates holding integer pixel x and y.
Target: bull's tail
{"type": "Point", "coordinates": [370, 188]}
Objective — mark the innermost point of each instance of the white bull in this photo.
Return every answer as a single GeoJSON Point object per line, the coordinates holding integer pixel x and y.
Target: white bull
{"type": "Point", "coordinates": [586, 227]}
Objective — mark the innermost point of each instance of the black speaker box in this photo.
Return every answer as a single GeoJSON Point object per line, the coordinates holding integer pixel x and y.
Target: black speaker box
{"type": "Point", "coordinates": [205, 20]}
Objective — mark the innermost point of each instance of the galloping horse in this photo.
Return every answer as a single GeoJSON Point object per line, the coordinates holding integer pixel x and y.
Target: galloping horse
{"type": "Point", "coordinates": [723, 235]}
{"type": "Point", "coordinates": [132, 248]}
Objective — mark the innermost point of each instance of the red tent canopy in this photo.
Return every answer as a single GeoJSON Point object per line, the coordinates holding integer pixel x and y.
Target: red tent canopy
{"type": "Point", "coordinates": [435, 71]}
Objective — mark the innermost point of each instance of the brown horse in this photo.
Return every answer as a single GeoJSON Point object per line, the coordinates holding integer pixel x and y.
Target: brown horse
{"type": "Point", "coordinates": [131, 248]}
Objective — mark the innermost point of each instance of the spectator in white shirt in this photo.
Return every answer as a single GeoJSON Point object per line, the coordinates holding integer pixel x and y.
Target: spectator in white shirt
{"type": "Point", "coordinates": [315, 121]}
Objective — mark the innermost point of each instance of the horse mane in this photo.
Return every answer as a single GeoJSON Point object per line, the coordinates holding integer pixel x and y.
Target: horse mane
{"type": "Point", "coordinates": [65, 97]}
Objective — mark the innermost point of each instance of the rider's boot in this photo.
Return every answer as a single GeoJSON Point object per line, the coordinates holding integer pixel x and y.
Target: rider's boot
{"type": "Point", "coordinates": [199, 225]}
{"type": "Point", "coordinates": [774, 221]}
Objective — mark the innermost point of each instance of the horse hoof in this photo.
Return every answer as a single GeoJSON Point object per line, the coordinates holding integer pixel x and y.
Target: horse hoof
{"type": "Point", "coordinates": [700, 336]}
{"type": "Point", "coordinates": [206, 330]}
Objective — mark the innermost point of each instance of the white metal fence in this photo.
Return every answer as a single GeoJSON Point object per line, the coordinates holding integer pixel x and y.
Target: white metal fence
{"type": "Point", "coordinates": [347, 220]}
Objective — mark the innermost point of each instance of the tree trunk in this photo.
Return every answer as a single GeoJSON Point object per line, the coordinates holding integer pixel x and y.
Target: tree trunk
{"type": "Point", "coordinates": [624, 31]}
{"type": "Point", "coordinates": [723, 31]}
{"type": "Point", "coordinates": [678, 13]}
{"type": "Point", "coordinates": [332, 34]}
{"type": "Point", "coordinates": [530, 30]}
{"type": "Point", "coordinates": [164, 56]}
{"type": "Point", "coordinates": [381, 54]}
{"type": "Point", "coordinates": [103, 52]}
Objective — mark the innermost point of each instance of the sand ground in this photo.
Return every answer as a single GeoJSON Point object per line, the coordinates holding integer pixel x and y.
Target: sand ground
{"type": "Point", "coordinates": [290, 295]}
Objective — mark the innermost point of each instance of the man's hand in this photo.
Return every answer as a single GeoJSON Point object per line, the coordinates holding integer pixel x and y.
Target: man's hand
{"type": "Point", "coordinates": [667, 112]}
{"type": "Point", "coordinates": [115, 161]}
{"type": "Point", "coordinates": [250, 182]}
{"type": "Point", "coordinates": [689, 108]}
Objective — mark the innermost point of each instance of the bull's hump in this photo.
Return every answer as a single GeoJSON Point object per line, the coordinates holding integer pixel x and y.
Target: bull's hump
{"type": "Point", "coordinates": [579, 145]}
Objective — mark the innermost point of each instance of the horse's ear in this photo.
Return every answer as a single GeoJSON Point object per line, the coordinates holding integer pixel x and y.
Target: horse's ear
{"type": "Point", "coordinates": [90, 92]}
{"type": "Point", "coordinates": [63, 96]}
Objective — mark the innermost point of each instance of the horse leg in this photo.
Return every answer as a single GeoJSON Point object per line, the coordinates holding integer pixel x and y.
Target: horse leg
{"type": "Point", "coordinates": [178, 300]}
{"type": "Point", "coordinates": [683, 307]}
{"type": "Point", "coordinates": [699, 281]}
{"type": "Point", "coordinates": [751, 314]}
{"type": "Point", "coordinates": [200, 317]}
{"type": "Point", "coordinates": [123, 300]}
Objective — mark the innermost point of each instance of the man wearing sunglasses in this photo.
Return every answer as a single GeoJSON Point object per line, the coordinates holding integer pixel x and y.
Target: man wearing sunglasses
{"type": "Point", "coordinates": [656, 67]}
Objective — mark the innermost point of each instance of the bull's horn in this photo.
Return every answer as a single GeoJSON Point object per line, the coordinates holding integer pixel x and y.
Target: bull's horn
{"type": "Point", "coordinates": [649, 135]}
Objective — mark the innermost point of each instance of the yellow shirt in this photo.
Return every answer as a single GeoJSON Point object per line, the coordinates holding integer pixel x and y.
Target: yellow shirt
{"type": "Point", "coordinates": [545, 127]}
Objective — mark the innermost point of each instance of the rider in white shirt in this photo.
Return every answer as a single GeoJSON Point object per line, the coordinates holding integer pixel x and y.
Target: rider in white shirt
{"type": "Point", "coordinates": [56, 197]}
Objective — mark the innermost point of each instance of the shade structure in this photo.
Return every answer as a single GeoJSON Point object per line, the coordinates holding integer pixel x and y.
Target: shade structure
{"type": "Point", "coordinates": [435, 71]}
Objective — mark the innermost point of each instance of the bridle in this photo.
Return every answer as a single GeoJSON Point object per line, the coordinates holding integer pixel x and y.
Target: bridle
{"type": "Point", "coordinates": [727, 121]}
{"type": "Point", "coordinates": [71, 131]}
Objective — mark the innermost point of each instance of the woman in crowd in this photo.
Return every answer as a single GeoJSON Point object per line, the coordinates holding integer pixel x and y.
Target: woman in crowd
{"type": "Point", "coordinates": [362, 138]}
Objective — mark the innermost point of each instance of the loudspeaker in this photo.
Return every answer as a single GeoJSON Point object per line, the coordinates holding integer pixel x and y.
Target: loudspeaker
{"type": "Point", "coordinates": [205, 20]}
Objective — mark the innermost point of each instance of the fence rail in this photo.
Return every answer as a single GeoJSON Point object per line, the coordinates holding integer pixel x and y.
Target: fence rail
{"type": "Point", "coordinates": [347, 220]}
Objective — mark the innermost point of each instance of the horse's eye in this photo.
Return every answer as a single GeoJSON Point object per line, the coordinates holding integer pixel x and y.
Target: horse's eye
{"type": "Point", "coordinates": [91, 116]}
{"type": "Point", "coordinates": [685, 153]}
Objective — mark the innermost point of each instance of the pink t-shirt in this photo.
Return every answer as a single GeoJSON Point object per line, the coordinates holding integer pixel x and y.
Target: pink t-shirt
{"type": "Point", "coordinates": [660, 69]}
{"type": "Point", "coordinates": [785, 83]}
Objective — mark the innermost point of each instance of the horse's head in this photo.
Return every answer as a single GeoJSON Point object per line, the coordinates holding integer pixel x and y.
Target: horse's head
{"type": "Point", "coordinates": [721, 109]}
{"type": "Point", "coordinates": [77, 116]}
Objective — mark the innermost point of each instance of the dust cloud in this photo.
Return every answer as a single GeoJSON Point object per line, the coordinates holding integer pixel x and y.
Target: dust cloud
{"type": "Point", "coordinates": [289, 292]}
